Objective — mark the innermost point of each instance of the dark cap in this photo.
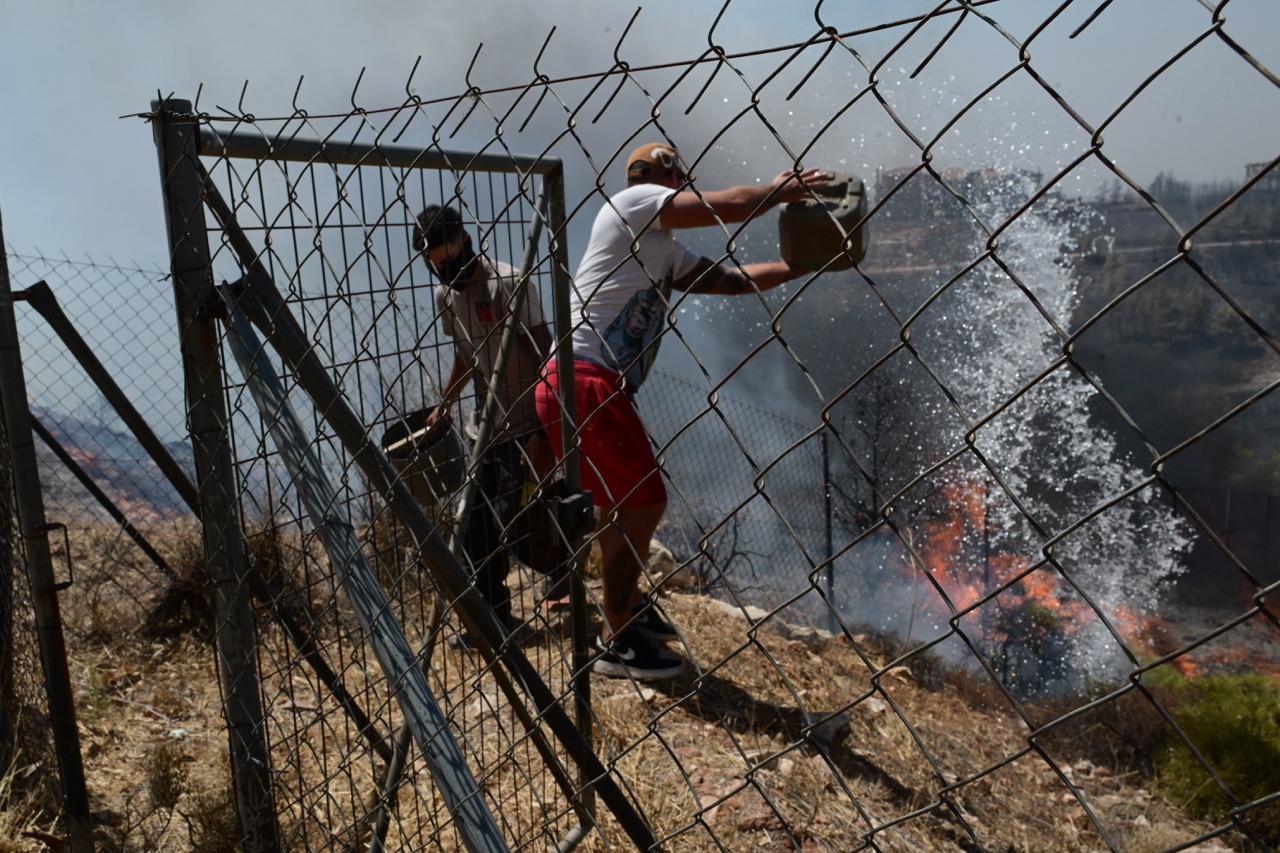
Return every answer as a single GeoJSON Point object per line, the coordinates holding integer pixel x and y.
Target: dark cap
{"type": "Point", "coordinates": [436, 225]}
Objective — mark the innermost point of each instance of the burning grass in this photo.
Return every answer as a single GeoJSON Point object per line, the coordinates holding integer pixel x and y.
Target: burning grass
{"type": "Point", "coordinates": [782, 738]}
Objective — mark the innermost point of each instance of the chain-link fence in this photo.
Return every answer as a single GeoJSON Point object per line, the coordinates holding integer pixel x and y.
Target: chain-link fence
{"type": "Point", "coordinates": [964, 506]}
{"type": "Point", "coordinates": [95, 381]}
{"type": "Point", "coordinates": [24, 745]}
{"type": "Point", "coordinates": [102, 484]}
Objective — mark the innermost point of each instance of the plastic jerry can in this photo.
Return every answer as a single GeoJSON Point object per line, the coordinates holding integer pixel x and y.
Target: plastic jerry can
{"type": "Point", "coordinates": [823, 233]}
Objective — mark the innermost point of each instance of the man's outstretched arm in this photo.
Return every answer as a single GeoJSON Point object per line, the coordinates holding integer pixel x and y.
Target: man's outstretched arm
{"type": "Point", "coordinates": [689, 209]}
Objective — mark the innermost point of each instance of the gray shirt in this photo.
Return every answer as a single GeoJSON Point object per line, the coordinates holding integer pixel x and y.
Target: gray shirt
{"type": "Point", "coordinates": [474, 317]}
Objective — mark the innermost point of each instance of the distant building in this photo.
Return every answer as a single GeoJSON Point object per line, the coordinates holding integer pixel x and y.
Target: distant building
{"type": "Point", "coordinates": [1269, 184]}
{"type": "Point", "coordinates": [917, 194]}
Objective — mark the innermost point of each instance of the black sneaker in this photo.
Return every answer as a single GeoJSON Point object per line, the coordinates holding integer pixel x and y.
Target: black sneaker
{"type": "Point", "coordinates": [649, 622]}
{"type": "Point", "coordinates": [629, 655]}
{"type": "Point", "coordinates": [555, 584]}
{"type": "Point", "coordinates": [553, 593]}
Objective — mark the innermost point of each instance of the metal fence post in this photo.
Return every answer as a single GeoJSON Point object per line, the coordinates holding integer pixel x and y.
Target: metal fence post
{"type": "Point", "coordinates": [198, 306]}
{"type": "Point", "coordinates": [557, 236]}
{"type": "Point", "coordinates": [44, 590]}
{"type": "Point", "coordinates": [41, 298]}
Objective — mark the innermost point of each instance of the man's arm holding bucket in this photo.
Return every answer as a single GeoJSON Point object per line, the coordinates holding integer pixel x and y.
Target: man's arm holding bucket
{"type": "Point", "coordinates": [537, 447]}
{"type": "Point", "coordinates": [459, 377]}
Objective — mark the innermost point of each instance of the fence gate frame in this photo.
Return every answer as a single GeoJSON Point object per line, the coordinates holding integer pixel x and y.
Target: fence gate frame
{"type": "Point", "coordinates": [181, 138]}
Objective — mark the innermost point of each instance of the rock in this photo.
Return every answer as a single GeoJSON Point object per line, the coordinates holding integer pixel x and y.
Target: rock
{"type": "Point", "coordinates": [665, 571]}
{"type": "Point", "coordinates": [830, 733]}
{"type": "Point", "coordinates": [769, 762]}
{"type": "Point", "coordinates": [813, 638]}
{"type": "Point", "coordinates": [902, 672]}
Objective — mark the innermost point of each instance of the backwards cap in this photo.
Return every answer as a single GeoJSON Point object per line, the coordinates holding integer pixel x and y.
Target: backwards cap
{"type": "Point", "coordinates": [653, 160]}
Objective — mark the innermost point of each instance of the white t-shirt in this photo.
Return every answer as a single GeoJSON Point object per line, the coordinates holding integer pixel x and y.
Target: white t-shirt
{"type": "Point", "coordinates": [619, 300]}
{"type": "Point", "coordinates": [475, 317]}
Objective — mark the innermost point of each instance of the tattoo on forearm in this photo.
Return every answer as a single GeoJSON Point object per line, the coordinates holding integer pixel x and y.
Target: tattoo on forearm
{"type": "Point", "coordinates": [718, 278]}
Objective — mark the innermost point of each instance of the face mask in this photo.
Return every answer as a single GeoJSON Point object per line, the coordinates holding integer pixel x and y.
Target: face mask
{"type": "Point", "coordinates": [453, 271]}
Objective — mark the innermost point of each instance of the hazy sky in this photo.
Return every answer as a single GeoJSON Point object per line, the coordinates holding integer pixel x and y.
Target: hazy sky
{"type": "Point", "coordinates": [78, 179]}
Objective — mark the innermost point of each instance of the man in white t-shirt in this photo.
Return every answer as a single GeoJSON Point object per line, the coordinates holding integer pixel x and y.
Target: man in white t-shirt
{"type": "Point", "coordinates": [619, 306]}
{"type": "Point", "coordinates": [473, 304]}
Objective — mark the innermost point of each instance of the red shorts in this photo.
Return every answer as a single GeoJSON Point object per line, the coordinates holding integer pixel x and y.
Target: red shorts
{"type": "Point", "coordinates": [617, 460]}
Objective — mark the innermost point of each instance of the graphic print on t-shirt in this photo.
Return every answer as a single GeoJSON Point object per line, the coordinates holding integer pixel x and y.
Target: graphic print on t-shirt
{"type": "Point", "coordinates": [631, 331]}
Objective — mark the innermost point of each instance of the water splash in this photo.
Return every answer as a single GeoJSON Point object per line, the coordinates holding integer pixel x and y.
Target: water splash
{"type": "Point", "coordinates": [1077, 536]}
{"type": "Point", "coordinates": [1043, 551]}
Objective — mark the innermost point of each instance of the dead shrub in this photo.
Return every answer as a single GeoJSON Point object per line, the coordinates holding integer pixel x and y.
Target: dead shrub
{"type": "Point", "coordinates": [165, 769]}
{"type": "Point", "coordinates": [1124, 734]}
{"type": "Point", "coordinates": [213, 822]}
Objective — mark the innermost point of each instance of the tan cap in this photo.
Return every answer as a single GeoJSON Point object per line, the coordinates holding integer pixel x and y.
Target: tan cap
{"type": "Point", "coordinates": [653, 161]}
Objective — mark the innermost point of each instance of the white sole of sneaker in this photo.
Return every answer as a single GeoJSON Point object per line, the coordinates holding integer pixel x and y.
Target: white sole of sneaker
{"type": "Point", "coordinates": [621, 670]}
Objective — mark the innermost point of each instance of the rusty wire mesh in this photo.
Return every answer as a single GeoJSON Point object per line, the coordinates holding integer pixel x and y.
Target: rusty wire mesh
{"type": "Point", "coordinates": [936, 446]}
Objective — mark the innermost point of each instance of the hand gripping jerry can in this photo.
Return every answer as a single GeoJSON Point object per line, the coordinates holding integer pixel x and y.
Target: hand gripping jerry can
{"type": "Point", "coordinates": [823, 233]}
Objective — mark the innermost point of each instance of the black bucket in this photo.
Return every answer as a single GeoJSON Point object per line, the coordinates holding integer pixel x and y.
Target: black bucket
{"type": "Point", "coordinates": [434, 467]}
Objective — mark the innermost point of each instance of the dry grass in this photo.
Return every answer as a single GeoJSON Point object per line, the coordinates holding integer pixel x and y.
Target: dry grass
{"type": "Point", "coordinates": [731, 759]}
{"type": "Point", "coordinates": [779, 739]}
{"type": "Point", "coordinates": [22, 823]}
